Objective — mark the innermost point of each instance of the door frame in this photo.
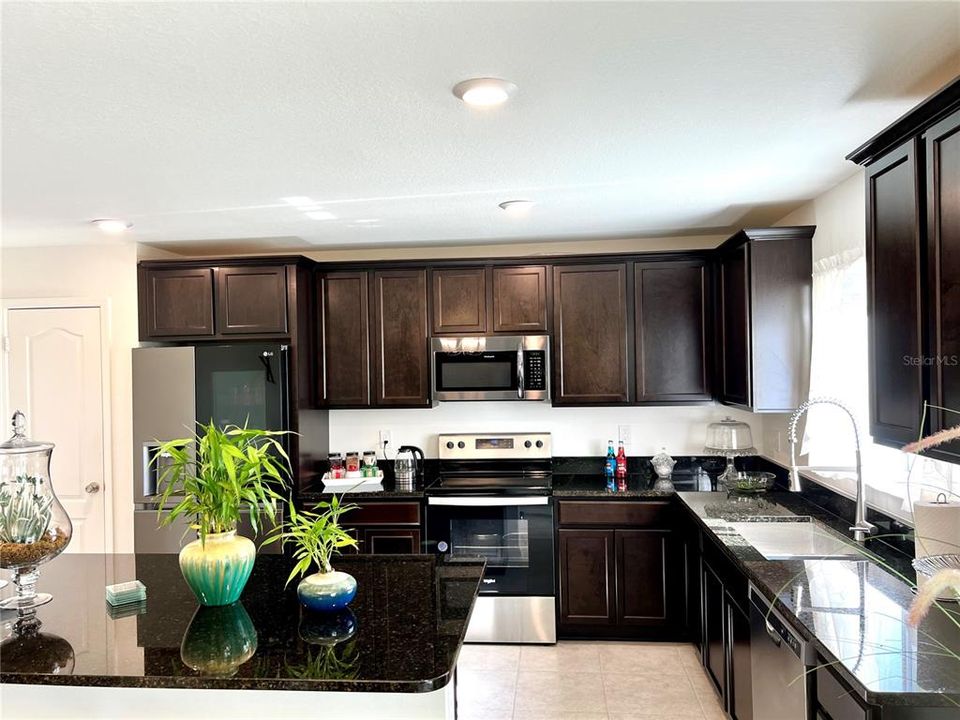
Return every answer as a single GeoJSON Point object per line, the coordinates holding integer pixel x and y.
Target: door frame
{"type": "Point", "coordinates": [103, 307]}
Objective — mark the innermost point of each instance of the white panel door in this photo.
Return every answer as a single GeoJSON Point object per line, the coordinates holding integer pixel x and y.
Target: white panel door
{"type": "Point", "coordinates": [55, 377]}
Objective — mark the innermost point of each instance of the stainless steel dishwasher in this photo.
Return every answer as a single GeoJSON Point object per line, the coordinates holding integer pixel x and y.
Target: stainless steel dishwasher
{"type": "Point", "coordinates": [779, 661]}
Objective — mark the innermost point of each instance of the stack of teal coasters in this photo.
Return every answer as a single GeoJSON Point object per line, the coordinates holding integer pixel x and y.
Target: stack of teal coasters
{"type": "Point", "coordinates": [126, 593]}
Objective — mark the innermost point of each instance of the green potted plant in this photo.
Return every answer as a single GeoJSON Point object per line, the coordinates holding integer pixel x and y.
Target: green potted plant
{"type": "Point", "coordinates": [317, 537]}
{"type": "Point", "coordinates": [218, 474]}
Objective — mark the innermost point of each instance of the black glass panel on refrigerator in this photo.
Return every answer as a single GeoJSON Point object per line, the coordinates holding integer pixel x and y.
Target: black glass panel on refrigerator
{"type": "Point", "coordinates": [242, 384]}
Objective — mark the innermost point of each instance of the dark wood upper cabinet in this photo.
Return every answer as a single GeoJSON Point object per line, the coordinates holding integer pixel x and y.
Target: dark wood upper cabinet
{"type": "Point", "coordinates": [671, 303]}
{"type": "Point", "coordinates": [912, 171]}
{"type": "Point", "coordinates": [764, 317]}
{"type": "Point", "coordinates": [587, 577]}
{"type": "Point", "coordinates": [520, 299]}
{"type": "Point", "coordinates": [344, 337]}
{"type": "Point", "coordinates": [176, 302]}
{"type": "Point", "coordinates": [400, 360]}
{"type": "Point", "coordinates": [590, 334]}
{"type": "Point", "coordinates": [460, 300]}
{"type": "Point", "coordinates": [252, 300]}
{"type": "Point", "coordinates": [943, 234]}
{"type": "Point", "coordinates": [734, 327]}
{"type": "Point", "coordinates": [895, 257]}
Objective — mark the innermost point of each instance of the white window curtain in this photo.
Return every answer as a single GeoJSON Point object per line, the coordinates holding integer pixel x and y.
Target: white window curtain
{"type": "Point", "coordinates": [838, 369]}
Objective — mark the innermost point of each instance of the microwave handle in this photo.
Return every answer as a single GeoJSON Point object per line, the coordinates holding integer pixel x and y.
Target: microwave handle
{"type": "Point", "coordinates": [520, 372]}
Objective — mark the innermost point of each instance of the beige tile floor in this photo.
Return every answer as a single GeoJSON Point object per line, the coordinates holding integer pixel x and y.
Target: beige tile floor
{"type": "Point", "coordinates": [584, 680]}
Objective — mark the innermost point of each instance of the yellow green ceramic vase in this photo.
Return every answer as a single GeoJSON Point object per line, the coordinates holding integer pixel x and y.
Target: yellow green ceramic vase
{"type": "Point", "coordinates": [218, 570]}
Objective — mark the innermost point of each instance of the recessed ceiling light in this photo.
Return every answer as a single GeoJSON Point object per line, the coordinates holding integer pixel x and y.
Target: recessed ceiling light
{"type": "Point", "coordinates": [298, 200]}
{"type": "Point", "coordinates": [516, 207]}
{"type": "Point", "coordinates": [484, 92]}
{"type": "Point", "coordinates": [112, 226]}
{"type": "Point", "coordinates": [320, 215]}
{"type": "Point", "coordinates": [367, 221]}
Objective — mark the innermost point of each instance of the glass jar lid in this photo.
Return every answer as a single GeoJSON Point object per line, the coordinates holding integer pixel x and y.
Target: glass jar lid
{"type": "Point", "coordinates": [19, 442]}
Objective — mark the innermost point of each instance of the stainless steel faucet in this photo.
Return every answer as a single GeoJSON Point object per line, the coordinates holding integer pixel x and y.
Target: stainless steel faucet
{"type": "Point", "coordinates": [861, 528]}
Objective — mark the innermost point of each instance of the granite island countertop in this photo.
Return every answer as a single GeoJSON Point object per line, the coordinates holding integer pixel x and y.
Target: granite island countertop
{"type": "Point", "coordinates": [854, 612]}
{"type": "Point", "coordinates": [408, 622]}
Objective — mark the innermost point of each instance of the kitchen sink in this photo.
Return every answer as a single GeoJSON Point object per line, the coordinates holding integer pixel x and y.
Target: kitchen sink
{"type": "Point", "coordinates": [796, 539]}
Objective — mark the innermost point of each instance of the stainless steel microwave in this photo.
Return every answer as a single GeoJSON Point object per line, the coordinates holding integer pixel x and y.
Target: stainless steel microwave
{"type": "Point", "coordinates": [515, 367]}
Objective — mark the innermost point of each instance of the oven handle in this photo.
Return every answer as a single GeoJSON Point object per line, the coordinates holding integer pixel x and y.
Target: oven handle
{"type": "Point", "coordinates": [488, 501]}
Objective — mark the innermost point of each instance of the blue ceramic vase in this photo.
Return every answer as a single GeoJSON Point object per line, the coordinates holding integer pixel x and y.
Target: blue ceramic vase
{"type": "Point", "coordinates": [327, 592]}
{"type": "Point", "coordinates": [218, 570]}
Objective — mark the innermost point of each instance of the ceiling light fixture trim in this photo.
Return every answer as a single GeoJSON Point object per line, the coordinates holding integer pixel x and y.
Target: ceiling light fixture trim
{"type": "Point", "coordinates": [112, 226]}
{"type": "Point", "coordinates": [484, 91]}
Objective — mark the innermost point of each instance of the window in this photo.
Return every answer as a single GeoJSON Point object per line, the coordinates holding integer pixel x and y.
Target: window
{"type": "Point", "coordinates": [839, 369]}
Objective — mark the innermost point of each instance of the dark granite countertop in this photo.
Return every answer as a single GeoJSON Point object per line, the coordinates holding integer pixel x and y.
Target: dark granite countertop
{"type": "Point", "coordinates": [409, 616]}
{"type": "Point", "coordinates": [313, 493]}
{"type": "Point", "coordinates": [638, 485]}
{"type": "Point", "coordinates": [853, 611]}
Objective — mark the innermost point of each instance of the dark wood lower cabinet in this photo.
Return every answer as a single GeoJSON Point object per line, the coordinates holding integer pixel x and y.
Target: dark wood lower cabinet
{"type": "Point", "coordinates": [619, 581]}
{"type": "Point", "coordinates": [587, 577]}
{"type": "Point", "coordinates": [714, 628]}
{"type": "Point", "coordinates": [642, 582]}
{"type": "Point", "coordinates": [392, 527]}
{"type": "Point", "coordinates": [390, 541]}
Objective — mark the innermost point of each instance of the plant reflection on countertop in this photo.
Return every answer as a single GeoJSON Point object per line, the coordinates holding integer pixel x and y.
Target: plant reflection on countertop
{"type": "Point", "coordinates": [218, 475]}
{"type": "Point", "coordinates": [316, 538]}
{"type": "Point", "coordinates": [219, 640]}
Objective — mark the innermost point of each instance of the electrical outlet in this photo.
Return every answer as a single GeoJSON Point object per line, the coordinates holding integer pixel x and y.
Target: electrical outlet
{"type": "Point", "coordinates": [625, 435]}
{"type": "Point", "coordinates": [385, 439]}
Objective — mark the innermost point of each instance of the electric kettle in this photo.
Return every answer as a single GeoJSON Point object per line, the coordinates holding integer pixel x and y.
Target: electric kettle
{"type": "Point", "coordinates": [408, 466]}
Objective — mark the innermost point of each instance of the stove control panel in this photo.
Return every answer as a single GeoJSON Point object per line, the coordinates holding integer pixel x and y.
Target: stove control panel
{"type": "Point", "coordinates": [494, 446]}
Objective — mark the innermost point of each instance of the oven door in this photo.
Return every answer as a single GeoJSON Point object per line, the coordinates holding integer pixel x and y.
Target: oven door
{"type": "Point", "coordinates": [513, 534]}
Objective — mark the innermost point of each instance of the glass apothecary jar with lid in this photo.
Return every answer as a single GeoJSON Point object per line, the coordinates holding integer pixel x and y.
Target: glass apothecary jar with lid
{"type": "Point", "coordinates": [34, 527]}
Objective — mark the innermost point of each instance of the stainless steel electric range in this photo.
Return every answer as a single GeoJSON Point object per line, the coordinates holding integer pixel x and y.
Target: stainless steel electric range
{"type": "Point", "coordinates": [493, 499]}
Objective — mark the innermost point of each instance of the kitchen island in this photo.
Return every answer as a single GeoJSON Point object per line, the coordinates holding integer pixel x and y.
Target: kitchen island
{"type": "Point", "coordinates": [393, 655]}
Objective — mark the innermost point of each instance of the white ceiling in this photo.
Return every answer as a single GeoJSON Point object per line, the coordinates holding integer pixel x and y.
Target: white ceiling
{"type": "Point", "coordinates": [193, 120]}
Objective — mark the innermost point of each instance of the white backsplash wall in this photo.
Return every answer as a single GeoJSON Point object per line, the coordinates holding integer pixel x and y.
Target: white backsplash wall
{"type": "Point", "coordinates": [576, 431]}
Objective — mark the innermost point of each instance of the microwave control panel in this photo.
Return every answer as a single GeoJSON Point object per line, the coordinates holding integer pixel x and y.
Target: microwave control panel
{"type": "Point", "coordinates": [534, 370]}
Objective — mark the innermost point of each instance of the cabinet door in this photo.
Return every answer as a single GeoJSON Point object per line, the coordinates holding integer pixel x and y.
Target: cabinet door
{"type": "Point", "coordinates": [943, 232]}
{"type": "Point", "coordinates": [670, 302]}
{"type": "Point", "coordinates": [590, 334]}
{"type": "Point", "coordinates": [714, 624]}
{"type": "Point", "coordinates": [460, 300]}
{"type": "Point", "coordinates": [645, 590]}
{"type": "Point", "coordinates": [520, 299]}
{"type": "Point", "coordinates": [344, 333]}
{"type": "Point", "coordinates": [894, 261]}
{"type": "Point", "coordinates": [735, 326]}
{"type": "Point", "coordinates": [176, 302]}
{"type": "Point", "coordinates": [741, 683]}
{"type": "Point", "coordinates": [587, 579]}
{"type": "Point", "coordinates": [251, 300]}
{"type": "Point", "coordinates": [400, 366]}
{"type": "Point", "coordinates": [390, 541]}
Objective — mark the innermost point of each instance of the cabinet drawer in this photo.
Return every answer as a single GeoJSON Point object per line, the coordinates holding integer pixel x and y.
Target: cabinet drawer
{"type": "Point", "coordinates": [601, 513]}
{"type": "Point", "coordinates": [384, 513]}
{"type": "Point", "coordinates": [835, 701]}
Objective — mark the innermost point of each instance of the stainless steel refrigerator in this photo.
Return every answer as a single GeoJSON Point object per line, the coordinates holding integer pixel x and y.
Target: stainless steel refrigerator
{"type": "Point", "coordinates": [174, 388]}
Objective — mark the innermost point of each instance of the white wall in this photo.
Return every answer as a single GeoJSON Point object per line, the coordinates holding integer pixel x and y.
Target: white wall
{"type": "Point", "coordinates": [840, 217]}
{"type": "Point", "coordinates": [576, 431]}
{"type": "Point", "coordinates": [107, 274]}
